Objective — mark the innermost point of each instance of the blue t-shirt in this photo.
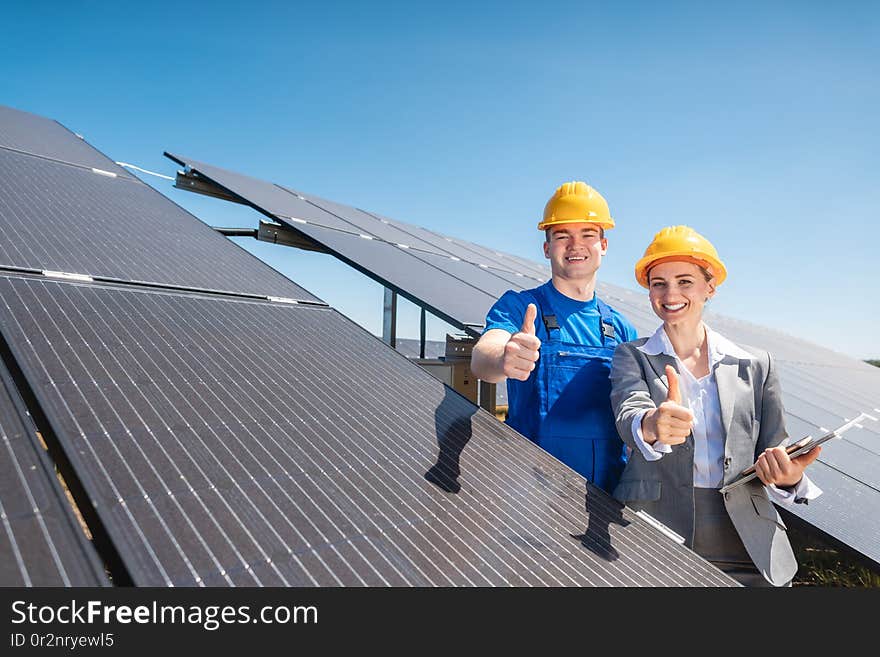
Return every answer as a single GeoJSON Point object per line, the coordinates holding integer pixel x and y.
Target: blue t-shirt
{"type": "Point", "coordinates": [579, 321]}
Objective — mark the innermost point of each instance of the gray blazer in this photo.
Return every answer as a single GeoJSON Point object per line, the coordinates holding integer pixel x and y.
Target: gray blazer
{"type": "Point", "coordinates": [752, 415]}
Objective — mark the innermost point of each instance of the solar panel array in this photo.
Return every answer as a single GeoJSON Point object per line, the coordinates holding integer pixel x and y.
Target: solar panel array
{"type": "Point", "coordinates": [245, 439]}
{"type": "Point", "coordinates": [821, 388]}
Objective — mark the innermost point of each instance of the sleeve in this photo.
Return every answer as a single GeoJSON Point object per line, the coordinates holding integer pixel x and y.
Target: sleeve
{"type": "Point", "coordinates": [805, 491]}
{"type": "Point", "coordinates": [507, 313]}
{"type": "Point", "coordinates": [630, 396]}
{"type": "Point", "coordinates": [651, 452]}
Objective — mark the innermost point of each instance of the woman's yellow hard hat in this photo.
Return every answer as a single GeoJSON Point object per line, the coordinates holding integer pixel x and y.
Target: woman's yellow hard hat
{"type": "Point", "coordinates": [680, 243]}
{"type": "Point", "coordinates": [576, 202]}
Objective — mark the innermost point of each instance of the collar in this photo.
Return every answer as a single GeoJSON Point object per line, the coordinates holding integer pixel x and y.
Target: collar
{"type": "Point", "coordinates": [719, 346]}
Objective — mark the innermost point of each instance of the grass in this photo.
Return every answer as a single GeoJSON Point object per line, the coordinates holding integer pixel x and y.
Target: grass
{"type": "Point", "coordinates": [821, 564]}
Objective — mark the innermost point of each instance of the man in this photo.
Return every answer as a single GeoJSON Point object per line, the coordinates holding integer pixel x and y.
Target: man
{"type": "Point", "coordinates": [554, 343]}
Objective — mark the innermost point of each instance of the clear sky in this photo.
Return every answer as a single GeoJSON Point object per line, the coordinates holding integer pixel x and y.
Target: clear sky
{"type": "Point", "coordinates": [757, 124]}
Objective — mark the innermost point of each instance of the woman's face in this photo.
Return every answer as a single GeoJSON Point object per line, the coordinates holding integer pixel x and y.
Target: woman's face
{"type": "Point", "coordinates": [678, 292]}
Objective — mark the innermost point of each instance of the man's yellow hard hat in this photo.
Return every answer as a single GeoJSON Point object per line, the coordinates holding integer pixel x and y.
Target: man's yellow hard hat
{"type": "Point", "coordinates": [680, 243]}
{"type": "Point", "coordinates": [576, 202]}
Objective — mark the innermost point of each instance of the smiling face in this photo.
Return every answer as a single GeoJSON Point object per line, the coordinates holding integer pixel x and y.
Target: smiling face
{"type": "Point", "coordinates": [678, 292]}
{"type": "Point", "coordinates": [575, 250]}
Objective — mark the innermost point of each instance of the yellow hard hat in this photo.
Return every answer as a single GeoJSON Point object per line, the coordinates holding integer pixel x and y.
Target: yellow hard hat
{"type": "Point", "coordinates": [576, 202]}
{"type": "Point", "coordinates": [680, 243]}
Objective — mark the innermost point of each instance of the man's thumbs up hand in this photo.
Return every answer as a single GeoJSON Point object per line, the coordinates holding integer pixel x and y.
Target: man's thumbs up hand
{"type": "Point", "coordinates": [521, 351]}
{"type": "Point", "coordinates": [528, 325]}
{"type": "Point", "coordinates": [670, 423]}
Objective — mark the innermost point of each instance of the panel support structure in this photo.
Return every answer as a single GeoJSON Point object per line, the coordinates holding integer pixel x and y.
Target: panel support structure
{"type": "Point", "coordinates": [389, 318]}
{"type": "Point", "coordinates": [423, 323]}
{"type": "Point", "coordinates": [190, 181]}
{"type": "Point", "coordinates": [278, 234]}
{"type": "Point", "coordinates": [487, 396]}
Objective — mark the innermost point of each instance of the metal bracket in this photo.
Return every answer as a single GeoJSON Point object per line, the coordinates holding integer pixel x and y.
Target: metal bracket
{"type": "Point", "coordinates": [278, 234]}
{"type": "Point", "coordinates": [190, 181]}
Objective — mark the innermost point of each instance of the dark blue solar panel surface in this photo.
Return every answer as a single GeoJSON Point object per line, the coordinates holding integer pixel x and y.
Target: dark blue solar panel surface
{"type": "Point", "coordinates": [62, 218]}
{"type": "Point", "coordinates": [458, 290]}
{"type": "Point", "coordinates": [29, 133]}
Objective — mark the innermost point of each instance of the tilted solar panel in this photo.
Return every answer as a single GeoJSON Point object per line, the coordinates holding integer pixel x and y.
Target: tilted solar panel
{"type": "Point", "coordinates": [28, 133]}
{"type": "Point", "coordinates": [446, 256]}
{"type": "Point", "coordinates": [458, 290]}
{"type": "Point", "coordinates": [41, 542]}
{"type": "Point", "coordinates": [846, 513]}
{"type": "Point", "coordinates": [228, 441]}
{"type": "Point", "coordinates": [70, 219]}
{"type": "Point", "coordinates": [470, 252]}
{"type": "Point", "coordinates": [457, 294]}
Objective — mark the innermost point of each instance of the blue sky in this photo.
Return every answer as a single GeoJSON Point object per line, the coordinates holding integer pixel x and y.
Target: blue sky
{"type": "Point", "coordinates": [757, 124]}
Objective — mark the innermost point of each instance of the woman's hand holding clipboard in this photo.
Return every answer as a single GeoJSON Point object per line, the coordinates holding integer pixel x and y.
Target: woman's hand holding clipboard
{"type": "Point", "coordinates": [802, 446]}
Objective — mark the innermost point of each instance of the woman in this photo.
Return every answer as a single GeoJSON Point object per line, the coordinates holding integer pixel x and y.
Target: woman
{"type": "Point", "coordinates": [696, 410]}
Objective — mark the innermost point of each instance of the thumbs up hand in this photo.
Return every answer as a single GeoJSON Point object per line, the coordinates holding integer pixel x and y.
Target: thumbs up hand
{"type": "Point", "coordinates": [670, 423]}
{"type": "Point", "coordinates": [521, 351]}
{"type": "Point", "coordinates": [674, 394]}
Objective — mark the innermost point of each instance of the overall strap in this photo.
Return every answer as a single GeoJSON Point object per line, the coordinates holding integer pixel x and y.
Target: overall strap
{"type": "Point", "coordinates": [608, 332]}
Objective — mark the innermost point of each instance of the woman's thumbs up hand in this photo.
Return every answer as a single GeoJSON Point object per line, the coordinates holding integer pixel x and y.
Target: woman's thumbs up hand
{"type": "Point", "coordinates": [670, 423]}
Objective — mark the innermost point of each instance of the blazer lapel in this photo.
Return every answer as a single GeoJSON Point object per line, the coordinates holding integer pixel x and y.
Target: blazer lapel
{"type": "Point", "coordinates": [726, 373]}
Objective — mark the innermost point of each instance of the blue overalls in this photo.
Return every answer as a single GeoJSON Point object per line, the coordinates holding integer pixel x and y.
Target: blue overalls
{"type": "Point", "coordinates": [571, 390]}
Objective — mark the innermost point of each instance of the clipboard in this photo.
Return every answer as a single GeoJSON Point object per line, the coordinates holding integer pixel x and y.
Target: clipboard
{"type": "Point", "coordinates": [802, 446]}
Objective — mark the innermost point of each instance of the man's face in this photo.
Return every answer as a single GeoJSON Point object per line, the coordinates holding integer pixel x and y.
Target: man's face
{"type": "Point", "coordinates": [575, 250]}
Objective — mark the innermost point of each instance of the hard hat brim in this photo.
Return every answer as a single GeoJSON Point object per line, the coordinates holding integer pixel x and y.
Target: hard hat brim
{"type": "Point", "coordinates": [715, 266]}
{"type": "Point", "coordinates": [602, 223]}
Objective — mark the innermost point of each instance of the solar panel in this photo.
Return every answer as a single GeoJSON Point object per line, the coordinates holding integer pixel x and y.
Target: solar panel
{"type": "Point", "coordinates": [69, 219]}
{"type": "Point", "coordinates": [448, 293]}
{"type": "Point", "coordinates": [470, 252]}
{"type": "Point", "coordinates": [847, 512]}
{"type": "Point", "coordinates": [233, 441]}
{"type": "Point", "coordinates": [491, 274]}
{"type": "Point", "coordinates": [456, 290]}
{"type": "Point", "coordinates": [28, 133]}
{"type": "Point", "coordinates": [40, 539]}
